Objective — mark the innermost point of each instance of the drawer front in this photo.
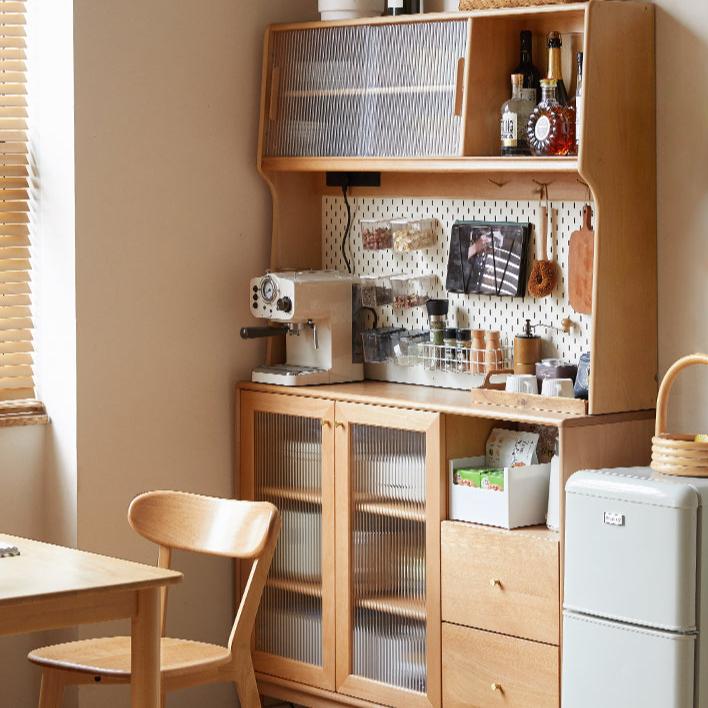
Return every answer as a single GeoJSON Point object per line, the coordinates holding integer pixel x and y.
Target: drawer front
{"type": "Point", "coordinates": [502, 581]}
{"type": "Point", "coordinates": [481, 670]}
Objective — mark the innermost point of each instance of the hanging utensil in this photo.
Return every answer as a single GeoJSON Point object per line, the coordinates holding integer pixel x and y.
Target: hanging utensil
{"type": "Point", "coordinates": [581, 254]}
{"type": "Point", "coordinates": [544, 272]}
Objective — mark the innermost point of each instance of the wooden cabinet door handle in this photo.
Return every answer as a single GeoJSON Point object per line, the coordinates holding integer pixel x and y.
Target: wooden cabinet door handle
{"type": "Point", "coordinates": [339, 425]}
{"type": "Point", "coordinates": [459, 86]}
{"type": "Point", "coordinates": [496, 583]}
{"type": "Point", "coordinates": [326, 424]}
{"type": "Point", "coordinates": [497, 687]}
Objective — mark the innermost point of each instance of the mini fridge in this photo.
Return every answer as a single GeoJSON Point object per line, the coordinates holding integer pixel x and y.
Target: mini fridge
{"type": "Point", "coordinates": [635, 609]}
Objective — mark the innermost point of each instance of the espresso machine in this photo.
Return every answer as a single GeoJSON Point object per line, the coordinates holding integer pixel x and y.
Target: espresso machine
{"type": "Point", "coordinates": [313, 309]}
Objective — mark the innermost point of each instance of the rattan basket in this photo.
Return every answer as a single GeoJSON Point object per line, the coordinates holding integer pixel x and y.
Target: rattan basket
{"type": "Point", "coordinates": [677, 454]}
{"type": "Point", "coordinates": [491, 4]}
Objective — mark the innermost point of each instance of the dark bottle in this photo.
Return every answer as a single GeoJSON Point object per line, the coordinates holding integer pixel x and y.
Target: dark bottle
{"type": "Point", "coordinates": [402, 7]}
{"type": "Point", "coordinates": [532, 76]}
{"type": "Point", "coordinates": [554, 67]}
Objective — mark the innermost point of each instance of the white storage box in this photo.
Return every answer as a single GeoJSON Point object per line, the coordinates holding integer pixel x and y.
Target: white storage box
{"type": "Point", "coordinates": [523, 502]}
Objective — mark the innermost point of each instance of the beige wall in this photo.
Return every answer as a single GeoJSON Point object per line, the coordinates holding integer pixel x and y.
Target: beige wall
{"type": "Point", "coordinates": [171, 222]}
{"type": "Point", "coordinates": [682, 143]}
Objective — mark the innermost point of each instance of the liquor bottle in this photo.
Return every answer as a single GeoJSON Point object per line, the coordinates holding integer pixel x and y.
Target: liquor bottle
{"type": "Point", "coordinates": [532, 75]}
{"type": "Point", "coordinates": [402, 7]}
{"type": "Point", "coordinates": [551, 128]}
{"type": "Point", "coordinates": [578, 104]}
{"type": "Point", "coordinates": [554, 66]}
{"type": "Point", "coordinates": [515, 115]}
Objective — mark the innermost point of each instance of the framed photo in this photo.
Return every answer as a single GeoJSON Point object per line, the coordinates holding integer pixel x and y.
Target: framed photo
{"type": "Point", "coordinates": [488, 258]}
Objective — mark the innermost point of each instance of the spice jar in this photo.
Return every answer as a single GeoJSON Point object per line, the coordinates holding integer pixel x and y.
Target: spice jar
{"type": "Point", "coordinates": [437, 318]}
{"type": "Point", "coordinates": [492, 357]}
{"type": "Point", "coordinates": [478, 351]}
{"type": "Point", "coordinates": [450, 355]}
{"type": "Point", "coordinates": [464, 350]}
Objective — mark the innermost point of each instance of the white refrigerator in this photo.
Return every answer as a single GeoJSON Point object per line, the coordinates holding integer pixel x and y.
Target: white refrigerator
{"type": "Point", "coordinates": [635, 609]}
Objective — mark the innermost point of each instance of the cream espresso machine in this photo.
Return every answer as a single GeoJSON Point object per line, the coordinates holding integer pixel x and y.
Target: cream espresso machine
{"type": "Point", "coordinates": [313, 309]}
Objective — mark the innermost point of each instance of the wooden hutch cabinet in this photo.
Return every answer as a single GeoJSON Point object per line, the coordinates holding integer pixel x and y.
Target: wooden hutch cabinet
{"type": "Point", "coordinates": [375, 597]}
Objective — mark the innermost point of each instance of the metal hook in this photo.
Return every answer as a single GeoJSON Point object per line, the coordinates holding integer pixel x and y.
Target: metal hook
{"type": "Point", "coordinates": [498, 184]}
{"type": "Point", "coordinates": [542, 190]}
{"type": "Point", "coordinates": [589, 198]}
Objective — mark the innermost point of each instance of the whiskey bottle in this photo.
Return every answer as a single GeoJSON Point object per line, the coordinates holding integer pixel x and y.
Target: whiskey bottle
{"type": "Point", "coordinates": [515, 115]}
{"type": "Point", "coordinates": [551, 128]}
{"type": "Point", "coordinates": [554, 66]}
{"type": "Point", "coordinates": [532, 75]}
{"type": "Point", "coordinates": [578, 104]}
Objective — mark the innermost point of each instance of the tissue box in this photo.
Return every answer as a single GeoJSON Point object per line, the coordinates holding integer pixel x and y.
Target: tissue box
{"type": "Point", "coordinates": [513, 497]}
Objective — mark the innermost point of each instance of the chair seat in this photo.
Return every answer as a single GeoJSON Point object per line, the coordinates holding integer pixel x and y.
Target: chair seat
{"type": "Point", "coordinates": [110, 656]}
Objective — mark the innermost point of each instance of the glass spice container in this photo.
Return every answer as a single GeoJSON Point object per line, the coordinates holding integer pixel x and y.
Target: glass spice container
{"type": "Point", "coordinates": [551, 127]}
{"type": "Point", "coordinates": [437, 319]}
{"type": "Point", "coordinates": [464, 350]}
{"type": "Point", "coordinates": [450, 353]}
{"type": "Point", "coordinates": [376, 235]}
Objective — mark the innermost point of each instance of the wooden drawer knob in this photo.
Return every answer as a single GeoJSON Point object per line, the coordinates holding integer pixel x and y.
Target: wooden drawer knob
{"type": "Point", "coordinates": [497, 687]}
{"type": "Point", "coordinates": [496, 583]}
{"type": "Point", "coordinates": [326, 424]}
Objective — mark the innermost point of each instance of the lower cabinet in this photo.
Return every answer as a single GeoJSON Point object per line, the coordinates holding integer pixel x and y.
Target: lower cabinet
{"type": "Point", "coordinates": [352, 603]}
{"type": "Point", "coordinates": [484, 669]}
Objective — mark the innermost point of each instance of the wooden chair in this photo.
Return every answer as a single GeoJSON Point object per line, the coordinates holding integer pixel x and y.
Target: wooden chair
{"type": "Point", "coordinates": [188, 522]}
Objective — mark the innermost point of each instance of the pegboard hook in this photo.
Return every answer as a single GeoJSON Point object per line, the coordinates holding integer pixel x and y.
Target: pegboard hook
{"type": "Point", "coordinates": [542, 189]}
{"type": "Point", "coordinates": [497, 183]}
{"type": "Point", "coordinates": [587, 187]}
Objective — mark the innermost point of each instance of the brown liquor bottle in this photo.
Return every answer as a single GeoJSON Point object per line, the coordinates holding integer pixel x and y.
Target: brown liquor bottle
{"type": "Point", "coordinates": [551, 127]}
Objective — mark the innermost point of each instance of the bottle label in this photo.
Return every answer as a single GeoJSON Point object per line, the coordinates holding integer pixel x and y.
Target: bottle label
{"type": "Point", "coordinates": [578, 119]}
{"type": "Point", "coordinates": [509, 129]}
{"type": "Point", "coordinates": [543, 128]}
{"type": "Point", "coordinates": [395, 4]}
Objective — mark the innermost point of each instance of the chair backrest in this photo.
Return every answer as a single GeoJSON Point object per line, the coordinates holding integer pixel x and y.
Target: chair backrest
{"type": "Point", "coordinates": [191, 522]}
{"type": "Point", "coordinates": [220, 527]}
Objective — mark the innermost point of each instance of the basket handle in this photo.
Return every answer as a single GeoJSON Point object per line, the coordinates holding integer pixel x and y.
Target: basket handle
{"type": "Point", "coordinates": [662, 402]}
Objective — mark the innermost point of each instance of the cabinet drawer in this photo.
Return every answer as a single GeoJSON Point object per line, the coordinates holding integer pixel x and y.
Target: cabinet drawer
{"type": "Point", "coordinates": [503, 581]}
{"type": "Point", "coordinates": [482, 669]}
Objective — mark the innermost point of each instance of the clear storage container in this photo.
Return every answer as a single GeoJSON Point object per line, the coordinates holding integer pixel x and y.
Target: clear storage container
{"type": "Point", "coordinates": [379, 344]}
{"type": "Point", "coordinates": [409, 350]}
{"type": "Point", "coordinates": [375, 290]}
{"type": "Point", "coordinates": [413, 235]}
{"type": "Point", "coordinates": [376, 235]}
{"type": "Point", "coordinates": [411, 291]}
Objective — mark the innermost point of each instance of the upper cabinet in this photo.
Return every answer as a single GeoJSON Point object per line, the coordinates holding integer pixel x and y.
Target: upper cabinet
{"type": "Point", "coordinates": [367, 90]}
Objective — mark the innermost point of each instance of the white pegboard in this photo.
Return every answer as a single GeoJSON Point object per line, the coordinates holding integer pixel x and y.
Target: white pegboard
{"type": "Point", "coordinates": [505, 314]}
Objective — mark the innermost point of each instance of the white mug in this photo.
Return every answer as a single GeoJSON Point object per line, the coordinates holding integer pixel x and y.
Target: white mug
{"type": "Point", "coordinates": [558, 388]}
{"type": "Point", "coordinates": [522, 383]}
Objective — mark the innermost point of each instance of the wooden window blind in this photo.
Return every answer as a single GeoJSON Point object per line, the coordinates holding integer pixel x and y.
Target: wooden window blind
{"type": "Point", "coordinates": [16, 328]}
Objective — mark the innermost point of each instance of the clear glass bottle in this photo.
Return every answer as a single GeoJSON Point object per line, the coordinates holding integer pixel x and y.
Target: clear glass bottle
{"type": "Point", "coordinates": [578, 104]}
{"type": "Point", "coordinates": [464, 350]}
{"type": "Point", "coordinates": [515, 115]}
{"type": "Point", "coordinates": [532, 75]}
{"type": "Point", "coordinates": [551, 127]}
{"type": "Point", "coordinates": [554, 66]}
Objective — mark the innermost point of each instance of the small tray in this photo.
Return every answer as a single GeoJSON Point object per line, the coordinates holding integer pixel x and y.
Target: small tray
{"type": "Point", "coordinates": [530, 401]}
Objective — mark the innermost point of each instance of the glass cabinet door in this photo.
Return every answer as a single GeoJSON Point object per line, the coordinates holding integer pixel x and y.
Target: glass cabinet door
{"type": "Point", "coordinates": [287, 458]}
{"type": "Point", "coordinates": [379, 90]}
{"type": "Point", "coordinates": [388, 519]}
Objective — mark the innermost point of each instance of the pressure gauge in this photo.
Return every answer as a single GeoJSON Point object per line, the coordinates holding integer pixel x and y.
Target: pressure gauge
{"type": "Point", "coordinates": [269, 290]}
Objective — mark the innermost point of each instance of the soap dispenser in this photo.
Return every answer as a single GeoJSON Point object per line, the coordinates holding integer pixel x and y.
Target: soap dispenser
{"type": "Point", "coordinates": [527, 350]}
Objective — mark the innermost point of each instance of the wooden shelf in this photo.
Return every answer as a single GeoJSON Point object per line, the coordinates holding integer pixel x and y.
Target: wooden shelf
{"type": "Point", "coordinates": [411, 608]}
{"type": "Point", "coordinates": [394, 509]}
{"type": "Point", "coordinates": [309, 496]}
{"type": "Point", "coordinates": [300, 587]}
{"type": "Point", "coordinates": [526, 165]}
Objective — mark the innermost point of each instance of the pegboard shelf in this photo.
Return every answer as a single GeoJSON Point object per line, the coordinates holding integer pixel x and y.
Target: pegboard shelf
{"type": "Point", "coordinates": [496, 165]}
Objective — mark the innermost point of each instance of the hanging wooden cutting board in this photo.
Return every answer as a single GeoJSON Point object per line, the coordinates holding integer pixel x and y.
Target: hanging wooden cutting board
{"type": "Point", "coordinates": [580, 265]}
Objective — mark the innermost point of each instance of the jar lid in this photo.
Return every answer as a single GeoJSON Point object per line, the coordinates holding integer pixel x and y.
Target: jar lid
{"type": "Point", "coordinates": [464, 335]}
{"type": "Point", "coordinates": [437, 307]}
{"type": "Point", "coordinates": [450, 333]}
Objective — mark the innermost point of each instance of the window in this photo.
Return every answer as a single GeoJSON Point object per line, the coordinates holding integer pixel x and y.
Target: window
{"type": "Point", "coordinates": [16, 341]}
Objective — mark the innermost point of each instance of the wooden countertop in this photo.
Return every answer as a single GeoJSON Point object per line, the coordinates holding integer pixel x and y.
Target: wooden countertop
{"type": "Point", "coordinates": [439, 400]}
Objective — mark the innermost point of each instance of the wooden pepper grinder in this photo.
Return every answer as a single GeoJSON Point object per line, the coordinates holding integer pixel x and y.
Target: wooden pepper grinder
{"type": "Point", "coordinates": [527, 350]}
{"type": "Point", "coordinates": [493, 359]}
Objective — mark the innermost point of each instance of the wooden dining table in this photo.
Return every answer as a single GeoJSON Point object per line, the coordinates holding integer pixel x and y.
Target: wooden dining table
{"type": "Point", "coordinates": [48, 587]}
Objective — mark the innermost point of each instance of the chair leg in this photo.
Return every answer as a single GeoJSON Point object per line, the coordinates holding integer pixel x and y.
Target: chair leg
{"type": "Point", "coordinates": [51, 691]}
{"type": "Point", "coordinates": [247, 688]}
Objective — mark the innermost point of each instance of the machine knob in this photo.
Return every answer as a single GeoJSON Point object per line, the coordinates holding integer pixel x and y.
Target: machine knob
{"type": "Point", "coordinates": [284, 304]}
